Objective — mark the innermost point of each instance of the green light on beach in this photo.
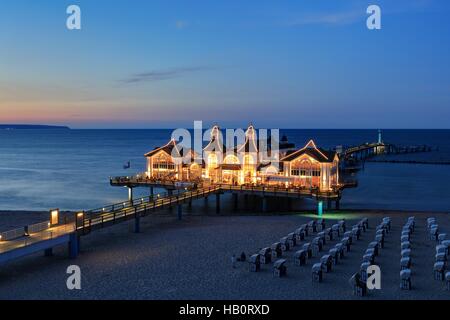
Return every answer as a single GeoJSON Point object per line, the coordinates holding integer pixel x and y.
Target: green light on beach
{"type": "Point", "coordinates": [320, 208]}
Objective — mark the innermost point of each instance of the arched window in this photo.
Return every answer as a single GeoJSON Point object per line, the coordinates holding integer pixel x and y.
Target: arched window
{"type": "Point", "coordinates": [231, 159]}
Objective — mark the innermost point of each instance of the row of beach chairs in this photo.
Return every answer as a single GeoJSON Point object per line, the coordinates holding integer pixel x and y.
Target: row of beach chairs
{"type": "Point", "coordinates": [275, 252]}
{"type": "Point", "coordinates": [405, 259]}
{"type": "Point", "coordinates": [359, 280]}
{"type": "Point", "coordinates": [442, 252]}
{"type": "Point", "coordinates": [337, 252]}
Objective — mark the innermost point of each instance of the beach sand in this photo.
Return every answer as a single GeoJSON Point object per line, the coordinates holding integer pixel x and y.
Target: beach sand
{"type": "Point", "coordinates": [191, 259]}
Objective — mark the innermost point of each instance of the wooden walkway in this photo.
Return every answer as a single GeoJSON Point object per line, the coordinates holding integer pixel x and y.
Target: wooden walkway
{"type": "Point", "coordinates": [86, 222]}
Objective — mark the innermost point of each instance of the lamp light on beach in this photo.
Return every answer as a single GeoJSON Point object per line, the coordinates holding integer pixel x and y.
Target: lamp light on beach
{"type": "Point", "coordinates": [54, 218]}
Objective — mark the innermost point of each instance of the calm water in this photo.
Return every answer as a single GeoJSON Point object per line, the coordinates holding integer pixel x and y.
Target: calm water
{"type": "Point", "coordinates": [42, 169]}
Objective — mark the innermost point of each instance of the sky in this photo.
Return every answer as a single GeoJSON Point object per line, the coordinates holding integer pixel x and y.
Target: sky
{"type": "Point", "coordinates": [276, 64]}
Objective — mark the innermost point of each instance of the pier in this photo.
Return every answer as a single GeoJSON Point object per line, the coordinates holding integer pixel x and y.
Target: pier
{"type": "Point", "coordinates": [368, 151]}
{"type": "Point", "coordinates": [45, 236]}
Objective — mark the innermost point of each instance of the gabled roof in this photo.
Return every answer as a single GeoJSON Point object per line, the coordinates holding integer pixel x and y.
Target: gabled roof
{"type": "Point", "coordinates": [250, 144]}
{"type": "Point", "coordinates": [313, 151]}
{"type": "Point", "coordinates": [215, 142]}
{"type": "Point", "coordinates": [168, 148]}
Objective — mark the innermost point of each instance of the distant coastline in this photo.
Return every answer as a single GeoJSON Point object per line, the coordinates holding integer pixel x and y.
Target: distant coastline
{"type": "Point", "coordinates": [31, 126]}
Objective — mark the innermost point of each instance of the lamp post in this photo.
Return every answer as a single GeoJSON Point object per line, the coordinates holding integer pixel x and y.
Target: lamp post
{"type": "Point", "coordinates": [54, 217]}
{"type": "Point", "coordinates": [79, 220]}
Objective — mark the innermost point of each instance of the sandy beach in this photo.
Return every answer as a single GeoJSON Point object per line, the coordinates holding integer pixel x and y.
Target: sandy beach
{"type": "Point", "coordinates": [190, 259]}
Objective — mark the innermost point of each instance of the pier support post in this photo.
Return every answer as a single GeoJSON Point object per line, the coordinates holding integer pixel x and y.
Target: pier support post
{"type": "Point", "coordinates": [137, 223]}
{"type": "Point", "coordinates": [48, 252]}
{"type": "Point", "coordinates": [319, 208]}
{"type": "Point", "coordinates": [190, 204]}
{"type": "Point", "coordinates": [329, 204]}
{"type": "Point", "coordinates": [235, 201]}
{"type": "Point", "coordinates": [264, 204]}
{"type": "Point", "coordinates": [130, 194]}
{"type": "Point", "coordinates": [170, 192]}
{"type": "Point", "coordinates": [206, 202]}
{"type": "Point", "coordinates": [74, 245]}
{"type": "Point", "coordinates": [217, 203]}
{"type": "Point", "coordinates": [152, 191]}
{"type": "Point", "coordinates": [180, 212]}
{"type": "Point", "coordinates": [338, 204]}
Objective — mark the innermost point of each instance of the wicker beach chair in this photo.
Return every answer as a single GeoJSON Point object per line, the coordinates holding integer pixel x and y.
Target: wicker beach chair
{"type": "Point", "coordinates": [316, 272]}
{"type": "Point", "coordinates": [279, 268]}
{"type": "Point", "coordinates": [438, 271]}
{"type": "Point", "coordinates": [327, 263]}
{"type": "Point", "coordinates": [359, 286]}
{"type": "Point", "coordinates": [405, 279]}
{"type": "Point", "coordinates": [300, 257]}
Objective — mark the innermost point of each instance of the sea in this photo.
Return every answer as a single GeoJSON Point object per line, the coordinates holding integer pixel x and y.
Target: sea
{"type": "Point", "coordinates": [70, 169]}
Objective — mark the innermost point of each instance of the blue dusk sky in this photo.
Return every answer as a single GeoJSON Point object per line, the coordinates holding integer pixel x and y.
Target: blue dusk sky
{"type": "Point", "coordinates": [277, 64]}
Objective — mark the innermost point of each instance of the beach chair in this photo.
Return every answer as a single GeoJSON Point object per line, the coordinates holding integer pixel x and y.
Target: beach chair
{"type": "Point", "coordinates": [341, 249]}
{"type": "Point", "coordinates": [405, 245]}
{"type": "Point", "coordinates": [446, 243]}
{"type": "Point", "coordinates": [349, 235]}
{"type": "Point", "coordinates": [346, 241]}
{"type": "Point", "coordinates": [316, 272]}
{"type": "Point", "coordinates": [335, 230]}
{"type": "Point", "coordinates": [322, 224]}
{"type": "Point", "coordinates": [276, 250]}
{"type": "Point", "coordinates": [356, 232]}
{"type": "Point", "coordinates": [304, 227]}
{"type": "Point", "coordinates": [380, 230]}
{"type": "Point", "coordinates": [406, 253]}
{"type": "Point", "coordinates": [285, 246]}
{"type": "Point", "coordinates": [405, 263]}
{"type": "Point", "coordinates": [359, 286]}
{"type": "Point", "coordinates": [327, 263]}
{"type": "Point", "coordinates": [438, 271]}
{"type": "Point", "coordinates": [308, 249]}
{"type": "Point", "coordinates": [365, 222]}
{"type": "Point", "coordinates": [279, 268]}
{"type": "Point", "coordinates": [434, 231]}
{"type": "Point", "coordinates": [387, 221]}
{"type": "Point", "coordinates": [316, 245]}
{"type": "Point", "coordinates": [447, 280]}
{"type": "Point", "coordinates": [441, 249]}
{"type": "Point", "coordinates": [380, 239]}
{"type": "Point", "coordinates": [374, 245]}
{"type": "Point", "coordinates": [369, 257]}
{"type": "Point", "coordinates": [441, 257]}
{"type": "Point", "coordinates": [255, 263]}
{"type": "Point", "coordinates": [319, 225]}
{"type": "Point", "coordinates": [328, 234]}
{"type": "Point", "coordinates": [300, 234]}
{"type": "Point", "coordinates": [300, 257]}
{"type": "Point", "coordinates": [321, 235]}
{"type": "Point", "coordinates": [342, 226]}
{"type": "Point", "coordinates": [442, 237]}
{"type": "Point", "coordinates": [405, 279]}
{"type": "Point", "coordinates": [363, 271]}
{"type": "Point", "coordinates": [266, 255]}
{"type": "Point", "coordinates": [292, 240]}
{"type": "Point", "coordinates": [334, 253]}
{"type": "Point", "coordinates": [312, 227]}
